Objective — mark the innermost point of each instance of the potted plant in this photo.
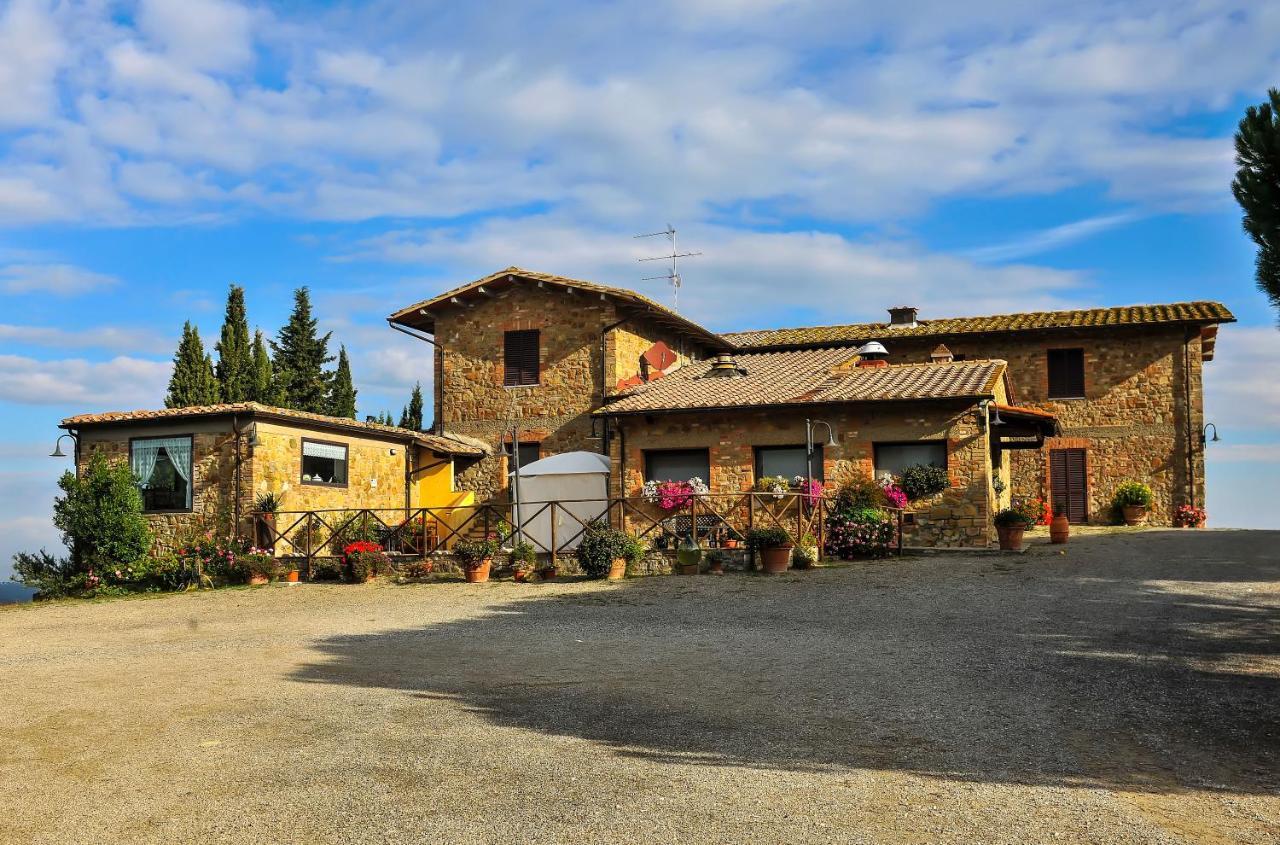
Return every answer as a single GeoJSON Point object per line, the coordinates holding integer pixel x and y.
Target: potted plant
{"type": "Point", "coordinates": [256, 567]}
{"type": "Point", "coordinates": [266, 505]}
{"type": "Point", "coordinates": [634, 553]}
{"type": "Point", "coordinates": [476, 556]}
{"type": "Point", "coordinates": [1133, 498]}
{"type": "Point", "coordinates": [523, 560]}
{"type": "Point", "coordinates": [603, 552]}
{"type": "Point", "coordinates": [1011, 523]}
{"type": "Point", "coordinates": [1189, 516]}
{"type": "Point", "coordinates": [805, 554]}
{"type": "Point", "coordinates": [715, 563]}
{"type": "Point", "coordinates": [774, 547]}
{"type": "Point", "coordinates": [775, 485]}
{"type": "Point", "coordinates": [1059, 528]}
{"type": "Point", "coordinates": [362, 561]}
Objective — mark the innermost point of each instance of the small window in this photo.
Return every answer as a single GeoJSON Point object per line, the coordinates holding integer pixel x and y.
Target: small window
{"type": "Point", "coordinates": [162, 466]}
{"type": "Point", "coordinates": [1066, 373]}
{"type": "Point", "coordinates": [528, 453]}
{"type": "Point", "coordinates": [520, 357]}
{"type": "Point", "coordinates": [324, 463]}
{"type": "Point", "coordinates": [787, 461]}
{"type": "Point", "coordinates": [960, 357]}
{"type": "Point", "coordinates": [892, 458]}
{"type": "Point", "coordinates": [677, 464]}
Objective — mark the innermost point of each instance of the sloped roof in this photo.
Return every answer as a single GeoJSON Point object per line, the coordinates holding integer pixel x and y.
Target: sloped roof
{"type": "Point", "coordinates": [1131, 315]}
{"type": "Point", "coordinates": [413, 316]}
{"type": "Point", "coordinates": [807, 376]}
{"type": "Point", "coordinates": [447, 444]}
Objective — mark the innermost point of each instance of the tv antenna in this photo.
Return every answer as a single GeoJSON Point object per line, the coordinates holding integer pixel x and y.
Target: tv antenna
{"type": "Point", "coordinates": [672, 275]}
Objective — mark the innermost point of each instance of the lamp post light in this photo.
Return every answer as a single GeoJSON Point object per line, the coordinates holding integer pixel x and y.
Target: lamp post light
{"type": "Point", "coordinates": [808, 447]}
{"type": "Point", "coordinates": [57, 446]}
{"type": "Point", "coordinates": [1204, 434]}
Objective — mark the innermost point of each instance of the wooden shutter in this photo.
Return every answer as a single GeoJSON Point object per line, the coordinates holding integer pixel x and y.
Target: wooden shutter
{"type": "Point", "coordinates": [1069, 484]}
{"type": "Point", "coordinates": [1066, 373]}
{"type": "Point", "coordinates": [520, 357]}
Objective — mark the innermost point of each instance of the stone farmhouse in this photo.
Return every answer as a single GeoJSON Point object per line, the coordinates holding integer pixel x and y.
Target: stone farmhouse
{"type": "Point", "coordinates": [1063, 405]}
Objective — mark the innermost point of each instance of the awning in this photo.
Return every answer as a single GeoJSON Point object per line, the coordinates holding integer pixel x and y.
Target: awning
{"type": "Point", "coordinates": [1016, 427]}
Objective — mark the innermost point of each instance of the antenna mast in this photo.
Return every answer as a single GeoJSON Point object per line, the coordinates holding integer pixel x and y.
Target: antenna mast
{"type": "Point", "coordinates": [672, 275]}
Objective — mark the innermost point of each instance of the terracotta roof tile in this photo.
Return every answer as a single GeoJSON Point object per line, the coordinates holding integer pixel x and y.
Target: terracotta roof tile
{"type": "Point", "coordinates": [807, 376]}
{"type": "Point", "coordinates": [1177, 312]}
{"type": "Point", "coordinates": [453, 444]}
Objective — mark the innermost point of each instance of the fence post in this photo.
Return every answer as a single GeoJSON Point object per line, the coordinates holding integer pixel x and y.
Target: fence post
{"type": "Point", "coordinates": [424, 535]}
{"type": "Point", "coordinates": [693, 519]}
{"type": "Point", "coordinates": [554, 547]}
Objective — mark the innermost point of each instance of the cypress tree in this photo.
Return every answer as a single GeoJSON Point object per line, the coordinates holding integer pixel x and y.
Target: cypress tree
{"type": "Point", "coordinates": [262, 386]}
{"type": "Point", "coordinates": [411, 417]}
{"type": "Point", "coordinates": [192, 382]}
{"type": "Point", "coordinates": [234, 368]}
{"type": "Point", "coordinates": [342, 392]}
{"type": "Point", "coordinates": [300, 356]}
{"type": "Point", "coordinates": [1257, 188]}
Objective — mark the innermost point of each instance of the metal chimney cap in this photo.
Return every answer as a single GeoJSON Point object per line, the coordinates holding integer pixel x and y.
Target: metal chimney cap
{"type": "Point", "coordinates": [874, 348]}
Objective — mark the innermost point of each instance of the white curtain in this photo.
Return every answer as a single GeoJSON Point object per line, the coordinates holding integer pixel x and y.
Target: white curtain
{"type": "Point", "coordinates": [145, 453]}
{"type": "Point", "coordinates": [324, 450]}
{"type": "Point", "coordinates": [142, 460]}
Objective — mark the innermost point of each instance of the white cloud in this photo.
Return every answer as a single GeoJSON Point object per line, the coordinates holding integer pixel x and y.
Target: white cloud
{"type": "Point", "coordinates": [204, 34]}
{"type": "Point", "coordinates": [94, 337]}
{"type": "Point", "coordinates": [1051, 238]}
{"type": "Point", "coordinates": [31, 51]}
{"type": "Point", "coordinates": [1240, 382]}
{"type": "Point", "coordinates": [55, 279]}
{"type": "Point", "coordinates": [121, 383]}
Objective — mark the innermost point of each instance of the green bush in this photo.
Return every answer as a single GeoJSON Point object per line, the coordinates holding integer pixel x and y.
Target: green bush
{"type": "Point", "coordinates": [923, 480]}
{"type": "Point", "coordinates": [1133, 494]}
{"type": "Point", "coordinates": [51, 577]}
{"type": "Point", "coordinates": [859, 493]}
{"type": "Point", "coordinates": [364, 565]}
{"type": "Point", "coordinates": [1018, 515]}
{"type": "Point", "coordinates": [600, 546]}
{"type": "Point", "coordinates": [247, 565]}
{"type": "Point", "coordinates": [860, 532]}
{"type": "Point", "coordinates": [472, 553]}
{"type": "Point", "coordinates": [100, 516]}
{"type": "Point", "coordinates": [767, 538]}
{"type": "Point", "coordinates": [523, 556]}
{"type": "Point", "coordinates": [358, 528]}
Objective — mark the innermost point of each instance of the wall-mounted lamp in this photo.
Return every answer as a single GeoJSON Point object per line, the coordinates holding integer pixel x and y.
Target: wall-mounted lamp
{"type": "Point", "coordinates": [1204, 432]}
{"type": "Point", "coordinates": [808, 443]}
{"type": "Point", "coordinates": [57, 446]}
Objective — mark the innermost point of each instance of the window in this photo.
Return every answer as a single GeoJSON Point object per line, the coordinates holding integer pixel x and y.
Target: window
{"type": "Point", "coordinates": [520, 357]}
{"type": "Point", "coordinates": [162, 466]}
{"type": "Point", "coordinates": [324, 463]}
{"type": "Point", "coordinates": [528, 453]}
{"type": "Point", "coordinates": [892, 458]}
{"type": "Point", "coordinates": [1066, 373]}
{"type": "Point", "coordinates": [787, 461]}
{"type": "Point", "coordinates": [677, 464]}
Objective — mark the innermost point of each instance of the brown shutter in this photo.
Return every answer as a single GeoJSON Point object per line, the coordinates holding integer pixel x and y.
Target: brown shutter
{"type": "Point", "coordinates": [520, 357]}
{"type": "Point", "coordinates": [1069, 484]}
{"type": "Point", "coordinates": [1066, 373]}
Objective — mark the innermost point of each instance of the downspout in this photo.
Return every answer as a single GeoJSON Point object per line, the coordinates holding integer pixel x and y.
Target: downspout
{"type": "Point", "coordinates": [408, 476]}
{"type": "Point", "coordinates": [236, 481]}
{"type": "Point", "coordinates": [437, 387]}
{"type": "Point", "coordinates": [1186, 395]}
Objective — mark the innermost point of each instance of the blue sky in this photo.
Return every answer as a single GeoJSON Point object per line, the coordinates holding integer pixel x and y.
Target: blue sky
{"type": "Point", "coordinates": [829, 160]}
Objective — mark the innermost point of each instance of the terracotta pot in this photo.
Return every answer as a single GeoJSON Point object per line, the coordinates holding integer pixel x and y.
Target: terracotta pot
{"type": "Point", "coordinates": [717, 568]}
{"type": "Point", "coordinates": [478, 574]}
{"type": "Point", "coordinates": [731, 544]}
{"type": "Point", "coordinates": [291, 576]}
{"type": "Point", "coordinates": [687, 568]}
{"type": "Point", "coordinates": [547, 573]}
{"type": "Point", "coordinates": [618, 569]}
{"type": "Point", "coordinates": [1134, 514]}
{"type": "Point", "coordinates": [775, 560]}
{"type": "Point", "coordinates": [1199, 523]}
{"type": "Point", "coordinates": [1059, 529]}
{"type": "Point", "coordinates": [256, 580]}
{"type": "Point", "coordinates": [520, 575]}
{"type": "Point", "coordinates": [1010, 537]}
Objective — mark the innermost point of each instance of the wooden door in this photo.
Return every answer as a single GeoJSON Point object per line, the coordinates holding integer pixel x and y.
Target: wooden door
{"type": "Point", "coordinates": [1067, 479]}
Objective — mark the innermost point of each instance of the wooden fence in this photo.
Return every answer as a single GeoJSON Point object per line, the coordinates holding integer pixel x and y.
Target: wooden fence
{"type": "Point", "coordinates": [714, 520]}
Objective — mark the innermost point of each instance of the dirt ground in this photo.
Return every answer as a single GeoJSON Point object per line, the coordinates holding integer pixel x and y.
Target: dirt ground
{"type": "Point", "coordinates": [1124, 691]}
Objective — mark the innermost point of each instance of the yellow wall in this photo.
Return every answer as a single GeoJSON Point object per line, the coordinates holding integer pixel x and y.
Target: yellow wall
{"type": "Point", "coordinates": [434, 488]}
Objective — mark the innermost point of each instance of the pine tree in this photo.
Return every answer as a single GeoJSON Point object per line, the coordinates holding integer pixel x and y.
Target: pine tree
{"type": "Point", "coordinates": [1257, 188]}
{"type": "Point", "coordinates": [234, 368]}
{"type": "Point", "coordinates": [300, 356]}
{"type": "Point", "coordinates": [262, 387]}
{"type": "Point", "coordinates": [411, 416]}
{"type": "Point", "coordinates": [342, 392]}
{"type": "Point", "coordinates": [192, 382]}
{"type": "Point", "coordinates": [386, 419]}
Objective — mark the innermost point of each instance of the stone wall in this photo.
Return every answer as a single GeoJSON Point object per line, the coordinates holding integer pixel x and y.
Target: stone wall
{"type": "Point", "coordinates": [375, 470]}
{"type": "Point", "coordinates": [959, 516]}
{"type": "Point", "coordinates": [555, 412]}
{"type": "Point", "coordinates": [1133, 419]}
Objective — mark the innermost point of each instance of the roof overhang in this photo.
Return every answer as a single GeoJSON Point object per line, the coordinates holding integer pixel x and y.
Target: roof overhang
{"type": "Point", "coordinates": [793, 406]}
{"type": "Point", "coordinates": [422, 315]}
{"type": "Point", "coordinates": [1020, 427]}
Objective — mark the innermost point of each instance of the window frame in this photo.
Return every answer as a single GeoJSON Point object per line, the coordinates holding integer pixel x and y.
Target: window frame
{"type": "Point", "coordinates": [877, 444]}
{"type": "Point", "coordinates": [818, 473]}
{"type": "Point", "coordinates": [191, 482]}
{"type": "Point", "coordinates": [537, 358]}
{"type": "Point", "coordinates": [346, 451]}
{"type": "Point", "coordinates": [1049, 368]}
{"type": "Point", "coordinates": [647, 453]}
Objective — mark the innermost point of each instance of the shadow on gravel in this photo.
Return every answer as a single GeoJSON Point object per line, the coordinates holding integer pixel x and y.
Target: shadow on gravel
{"type": "Point", "coordinates": [1082, 669]}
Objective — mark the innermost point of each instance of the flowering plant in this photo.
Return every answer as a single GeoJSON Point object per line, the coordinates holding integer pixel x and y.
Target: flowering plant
{"type": "Point", "coordinates": [859, 532]}
{"type": "Point", "coordinates": [670, 495]}
{"type": "Point", "coordinates": [364, 559]}
{"type": "Point", "coordinates": [774, 484]}
{"type": "Point", "coordinates": [1040, 509]}
{"type": "Point", "coordinates": [1189, 516]}
{"type": "Point", "coordinates": [894, 494]}
{"type": "Point", "coordinates": [811, 490]}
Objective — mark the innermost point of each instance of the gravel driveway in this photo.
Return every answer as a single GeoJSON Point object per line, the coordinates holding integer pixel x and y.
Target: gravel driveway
{"type": "Point", "coordinates": [1125, 691]}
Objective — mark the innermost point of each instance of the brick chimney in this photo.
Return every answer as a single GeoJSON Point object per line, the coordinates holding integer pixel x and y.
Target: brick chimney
{"type": "Point", "coordinates": [903, 315]}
